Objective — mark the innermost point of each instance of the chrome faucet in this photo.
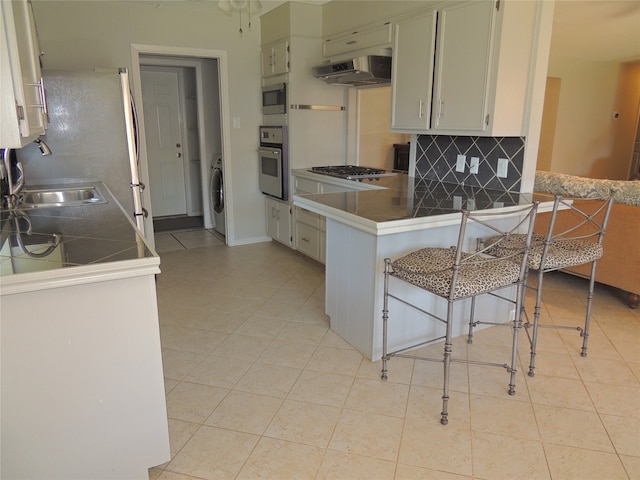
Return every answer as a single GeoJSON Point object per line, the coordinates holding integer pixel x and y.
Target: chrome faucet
{"type": "Point", "coordinates": [11, 187]}
{"type": "Point", "coordinates": [44, 148]}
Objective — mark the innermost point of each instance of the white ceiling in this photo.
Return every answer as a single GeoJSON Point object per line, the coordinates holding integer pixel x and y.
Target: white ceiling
{"type": "Point", "coordinates": [598, 30]}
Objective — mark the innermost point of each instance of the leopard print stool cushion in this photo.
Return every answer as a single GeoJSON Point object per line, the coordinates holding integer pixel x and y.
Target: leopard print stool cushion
{"type": "Point", "coordinates": [430, 269]}
{"type": "Point", "coordinates": [561, 254]}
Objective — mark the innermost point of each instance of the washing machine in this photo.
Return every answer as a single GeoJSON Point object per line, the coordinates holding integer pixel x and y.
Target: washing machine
{"type": "Point", "coordinates": [216, 189]}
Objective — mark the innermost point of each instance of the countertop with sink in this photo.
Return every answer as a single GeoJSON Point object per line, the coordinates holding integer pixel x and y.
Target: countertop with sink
{"type": "Point", "coordinates": [52, 244]}
{"type": "Point", "coordinates": [79, 341]}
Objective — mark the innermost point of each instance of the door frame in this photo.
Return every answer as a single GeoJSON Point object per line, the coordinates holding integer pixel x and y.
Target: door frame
{"type": "Point", "coordinates": [182, 56]}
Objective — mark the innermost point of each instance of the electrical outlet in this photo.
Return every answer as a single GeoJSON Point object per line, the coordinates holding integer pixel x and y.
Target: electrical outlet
{"type": "Point", "coordinates": [502, 167]}
{"type": "Point", "coordinates": [473, 167]}
{"type": "Point", "coordinates": [471, 204]}
{"type": "Point", "coordinates": [461, 162]}
{"type": "Point", "coordinates": [457, 202]}
{"type": "Point", "coordinates": [236, 122]}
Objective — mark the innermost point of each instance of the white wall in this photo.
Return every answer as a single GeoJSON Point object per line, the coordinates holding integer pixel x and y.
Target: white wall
{"type": "Point", "coordinates": [585, 127]}
{"type": "Point", "coordinates": [375, 139]}
{"type": "Point", "coordinates": [86, 34]}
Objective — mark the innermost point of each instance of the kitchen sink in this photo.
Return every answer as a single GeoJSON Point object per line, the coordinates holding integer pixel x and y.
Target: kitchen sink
{"type": "Point", "coordinates": [60, 197]}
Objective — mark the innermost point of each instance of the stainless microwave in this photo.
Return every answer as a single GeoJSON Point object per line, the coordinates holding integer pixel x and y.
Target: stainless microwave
{"type": "Point", "coordinates": [274, 99]}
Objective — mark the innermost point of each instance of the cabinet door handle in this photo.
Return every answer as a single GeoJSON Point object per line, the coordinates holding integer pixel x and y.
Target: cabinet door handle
{"type": "Point", "coordinates": [43, 97]}
{"type": "Point", "coordinates": [304, 239]}
{"type": "Point", "coordinates": [43, 100]}
{"type": "Point", "coordinates": [420, 113]}
{"type": "Point", "coordinates": [441, 112]}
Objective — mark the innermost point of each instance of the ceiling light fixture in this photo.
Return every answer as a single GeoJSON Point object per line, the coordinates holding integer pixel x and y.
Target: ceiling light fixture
{"type": "Point", "coordinates": [247, 6]}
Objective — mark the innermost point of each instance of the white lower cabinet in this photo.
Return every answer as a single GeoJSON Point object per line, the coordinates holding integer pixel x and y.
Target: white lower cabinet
{"type": "Point", "coordinates": [310, 227]}
{"type": "Point", "coordinates": [279, 221]}
{"type": "Point", "coordinates": [310, 239]}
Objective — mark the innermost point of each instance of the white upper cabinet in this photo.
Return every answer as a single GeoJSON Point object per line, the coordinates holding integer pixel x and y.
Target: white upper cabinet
{"type": "Point", "coordinates": [358, 39]}
{"type": "Point", "coordinates": [412, 72]}
{"type": "Point", "coordinates": [458, 71]}
{"type": "Point", "coordinates": [462, 66]}
{"type": "Point", "coordinates": [23, 113]}
{"type": "Point", "coordinates": [275, 59]}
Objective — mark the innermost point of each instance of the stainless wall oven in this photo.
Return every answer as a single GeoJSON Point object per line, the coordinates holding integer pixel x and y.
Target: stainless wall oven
{"type": "Point", "coordinates": [273, 158]}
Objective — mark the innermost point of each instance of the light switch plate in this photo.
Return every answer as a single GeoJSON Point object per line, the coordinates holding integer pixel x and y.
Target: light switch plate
{"type": "Point", "coordinates": [502, 167]}
{"type": "Point", "coordinates": [461, 162]}
{"type": "Point", "coordinates": [475, 162]}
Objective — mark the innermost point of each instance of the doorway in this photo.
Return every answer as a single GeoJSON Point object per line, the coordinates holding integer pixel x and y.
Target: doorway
{"type": "Point", "coordinates": [168, 155]}
{"type": "Point", "coordinates": [184, 136]}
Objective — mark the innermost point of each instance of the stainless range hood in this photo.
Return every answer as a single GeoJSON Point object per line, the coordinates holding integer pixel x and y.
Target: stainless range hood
{"type": "Point", "coordinates": [363, 71]}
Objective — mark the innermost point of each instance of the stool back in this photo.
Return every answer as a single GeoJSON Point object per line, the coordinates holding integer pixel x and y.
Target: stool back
{"type": "Point", "coordinates": [523, 220]}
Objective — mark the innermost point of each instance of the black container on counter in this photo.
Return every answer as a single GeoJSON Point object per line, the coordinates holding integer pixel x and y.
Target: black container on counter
{"type": "Point", "coordinates": [401, 157]}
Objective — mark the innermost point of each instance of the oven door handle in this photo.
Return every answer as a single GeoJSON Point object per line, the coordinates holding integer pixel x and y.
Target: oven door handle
{"type": "Point", "coordinates": [270, 151]}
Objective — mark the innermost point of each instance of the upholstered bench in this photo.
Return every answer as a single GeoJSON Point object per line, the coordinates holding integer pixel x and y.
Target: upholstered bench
{"type": "Point", "coordinates": [620, 265]}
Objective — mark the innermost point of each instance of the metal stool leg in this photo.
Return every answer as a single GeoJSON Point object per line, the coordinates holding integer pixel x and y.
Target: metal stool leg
{"type": "Point", "coordinates": [447, 364]}
{"type": "Point", "coordinates": [536, 319]}
{"type": "Point", "coordinates": [472, 324]}
{"type": "Point", "coordinates": [517, 325]}
{"type": "Point", "coordinates": [385, 317]}
{"type": "Point", "coordinates": [587, 321]}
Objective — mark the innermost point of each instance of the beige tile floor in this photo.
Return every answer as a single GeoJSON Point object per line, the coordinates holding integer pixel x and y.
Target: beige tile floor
{"type": "Point", "coordinates": [258, 386]}
{"type": "Point", "coordinates": [184, 239]}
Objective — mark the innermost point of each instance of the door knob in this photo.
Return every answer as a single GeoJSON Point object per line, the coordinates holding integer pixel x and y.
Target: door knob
{"type": "Point", "coordinates": [178, 145]}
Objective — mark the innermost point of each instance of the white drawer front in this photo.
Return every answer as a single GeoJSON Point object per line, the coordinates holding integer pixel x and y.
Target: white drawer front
{"type": "Point", "coordinates": [308, 218]}
{"type": "Point", "coordinates": [304, 185]}
{"type": "Point", "coordinates": [330, 188]}
{"type": "Point", "coordinates": [308, 240]}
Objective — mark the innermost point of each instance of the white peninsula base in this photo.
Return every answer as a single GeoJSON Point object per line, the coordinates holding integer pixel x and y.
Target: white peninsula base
{"type": "Point", "coordinates": [354, 288]}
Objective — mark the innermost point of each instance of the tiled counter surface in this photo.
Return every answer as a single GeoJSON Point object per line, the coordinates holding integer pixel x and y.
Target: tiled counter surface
{"type": "Point", "coordinates": [97, 242]}
{"type": "Point", "coordinates": [405, 204]}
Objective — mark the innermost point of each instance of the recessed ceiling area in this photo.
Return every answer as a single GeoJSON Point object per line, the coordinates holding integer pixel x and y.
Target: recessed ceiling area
{"type": "Point", "coordinates": [597, 30]}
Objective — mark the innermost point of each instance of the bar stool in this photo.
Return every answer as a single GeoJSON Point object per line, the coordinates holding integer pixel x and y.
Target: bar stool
{"type": "Point", "coordinates": [452, 274]}
{"type": "Point", "coordinates": [578, 244]}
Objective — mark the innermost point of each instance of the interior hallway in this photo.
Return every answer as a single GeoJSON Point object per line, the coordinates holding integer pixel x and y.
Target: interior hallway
{"type": "Point", "coordinates": [258, 386]}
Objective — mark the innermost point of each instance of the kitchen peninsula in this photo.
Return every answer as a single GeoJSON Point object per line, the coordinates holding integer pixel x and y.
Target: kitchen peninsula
{"type": "Point", "coordinates": [364, 227]}
{"type": "Point", "coordinates": [81, 379]}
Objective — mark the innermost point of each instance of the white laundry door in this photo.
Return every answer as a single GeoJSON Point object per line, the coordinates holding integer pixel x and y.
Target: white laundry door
{"type": "Point", "coordinates": [164, 142]}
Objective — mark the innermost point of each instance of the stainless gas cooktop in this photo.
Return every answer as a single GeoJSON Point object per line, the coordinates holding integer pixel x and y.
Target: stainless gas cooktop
{"type": "Point", "coordinates": [352, 172]}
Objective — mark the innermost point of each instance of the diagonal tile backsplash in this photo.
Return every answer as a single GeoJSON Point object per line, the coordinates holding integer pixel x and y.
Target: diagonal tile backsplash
{"type": "Point", "coordinates": [436, 157]}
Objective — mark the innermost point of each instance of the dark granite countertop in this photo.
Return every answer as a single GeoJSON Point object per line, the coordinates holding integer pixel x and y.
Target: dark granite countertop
{"type": "Point", "coordinates": [407, 198]}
